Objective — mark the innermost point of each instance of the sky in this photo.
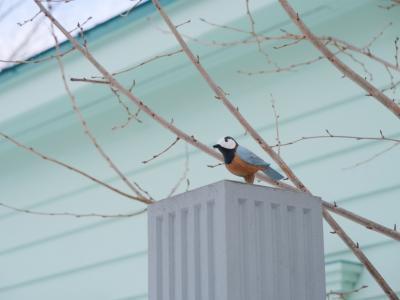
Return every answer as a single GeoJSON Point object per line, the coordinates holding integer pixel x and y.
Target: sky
{"type": "Point", "coordinates": [21, 42]}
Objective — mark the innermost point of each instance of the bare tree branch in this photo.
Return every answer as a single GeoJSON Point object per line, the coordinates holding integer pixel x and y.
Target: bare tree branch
{"type": "Point", "coordinates": [169, 54]}
{"type": "Point", "coordinates": [85, 127]}
{"type": "Point", "coordinates": [26, 40]}
{"type": "Point", "coordinates": [346, 71]}
{"type": "Point", "coordinates": [369, 224]}
{"type": "Point", "coordinates": [71, 168]}
{"type": "Point", "coordinates": [378, 35]}
{"type": "Point", "coordinates": [131, 116]}
{"type": "Point", "coordinates": [256, 36]}
{"type": "Point", "coordinates": [230, 27]}
{"type": "Point", "coordinates": [168, 125]}
{"type": "Point", "coordinates": [193, 141]}
{"type": "Point", "coordinates": [342, 294]}
{"type": "Point", "coordinates": [222, 96]}
{"type": "Point", "coordinates": [184, 174]}
{"type": "Point", "coordinates": [360, 255]}
{"type": "Point", "coordinates": [364, 51]}
{"type": "Point", "coordinates": [162, 152]}
{"type": "Point", "coordinates": [276, 117]}
{"type": "Point", "coordinates": [296, 39]}
{"type": "Point", "coordinates": [282, 69]}
{"type": "Point", "coordinates": [359, 62]}
{"type": "Point", "coordinates": [70, 214]}
{"type": "Point", "coordinates": [329, 135]}
{"type": "Point", "coordinates": [37, 61]}
{"type": "Point", "coordinates": [84, 79]}
{"type": "Point", "coordinates": [29, 20]}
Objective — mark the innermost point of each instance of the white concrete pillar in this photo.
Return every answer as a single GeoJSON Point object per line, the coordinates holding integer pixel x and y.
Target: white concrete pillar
{"type": "Point", "coordinates": [234, 241]}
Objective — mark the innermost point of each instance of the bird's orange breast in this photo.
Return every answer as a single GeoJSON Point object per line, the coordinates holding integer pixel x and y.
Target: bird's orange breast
{"type": "Point", "coordinates": [241, 168]}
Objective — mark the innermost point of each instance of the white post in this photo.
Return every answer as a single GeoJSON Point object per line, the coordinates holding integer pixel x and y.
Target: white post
{"type": "Point", "coordinates": [234, 241]}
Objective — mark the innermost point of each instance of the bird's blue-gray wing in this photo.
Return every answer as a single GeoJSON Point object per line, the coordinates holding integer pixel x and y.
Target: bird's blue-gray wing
{"type": "Point", "coordinates": [249, 157]}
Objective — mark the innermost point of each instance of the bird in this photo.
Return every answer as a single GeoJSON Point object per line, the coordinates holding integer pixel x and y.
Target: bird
{"type": "Point", "coordinates": [242, 162]}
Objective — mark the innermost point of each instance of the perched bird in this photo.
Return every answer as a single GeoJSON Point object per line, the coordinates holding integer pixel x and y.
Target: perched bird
{"type": "Point", "coordinates": [242, 162]}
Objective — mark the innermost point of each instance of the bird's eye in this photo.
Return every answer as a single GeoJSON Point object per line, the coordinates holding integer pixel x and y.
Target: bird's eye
{"type": "Point", "coordinates": [226, 139]}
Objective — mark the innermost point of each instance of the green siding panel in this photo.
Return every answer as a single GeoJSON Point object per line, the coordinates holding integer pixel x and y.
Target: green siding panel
{"type": "Point", "coordinates": [88, 258]}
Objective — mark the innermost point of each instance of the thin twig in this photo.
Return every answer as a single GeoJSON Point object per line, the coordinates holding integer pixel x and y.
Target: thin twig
{"type": "Point", "coordinates": [37, 61]}
{"type": "Point", "coordinates": [84, 79]}
{"type": "Point", "coordinates": [128, 120]}
{"type": "Point", "coordinates": [131, 116]}
{"type": "Point", "coordinates": [376, 155]}
{"type": "Point", "coordinates": [297, 38]}
{"type": "Point", "coordinates": [162, 152]}
{"type": "Point", "coordinates": [282, 69]}
{"type": "Point", "coordinates": [359, 62]}
{"type": "Point", "coordinates": [169, 54]}
{"type": "Point", "coordinates": [364, 51]}
{"type": "Point", "coordinates": [70, 214]}
{"type": "Point", "coordinates": [140, 188]}
{"type": "Point", "coordinates": [183, 23]}
{"type": "Point", "coordinates": [256, 36]}
{"type": "Point", "coordinates": [79, 25]}
{"type": "Point", "coordinates": [288, 44]}
{"type": "Point", "coordinates": [225, 26]}
{"type": "Point", "coordinates": [276, 117]}
{"type": "Point", "coordinates": [26, 40]}
{"type": "Point", "coordinates": [392, 86]}
{"type": "Point", "coordinates": [377, 36]}
{"type": "Point", "coordinates": [329, 135]}
{"type": "Point", "coordinates": [342, 294]}
{"type": "Point", "coordinates": [184, 174]}
{"type": "Point", "coordinates": [29, 20]}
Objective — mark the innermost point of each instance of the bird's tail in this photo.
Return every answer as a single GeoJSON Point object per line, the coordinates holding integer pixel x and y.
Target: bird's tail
{"type": "Point", "coordinates": [273, 174]}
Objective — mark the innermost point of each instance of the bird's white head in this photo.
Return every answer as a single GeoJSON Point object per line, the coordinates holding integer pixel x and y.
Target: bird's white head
{"type": "Point", "coordinates": [227, 143]}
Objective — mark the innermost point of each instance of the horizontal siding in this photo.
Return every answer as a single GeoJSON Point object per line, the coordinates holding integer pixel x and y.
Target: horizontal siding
{"type": "Point", "coordinates": [62, 257]}
{"type": "Point", "coordinates": [112, 279]}
{"type": "Point", "coordinates": [95, 243]}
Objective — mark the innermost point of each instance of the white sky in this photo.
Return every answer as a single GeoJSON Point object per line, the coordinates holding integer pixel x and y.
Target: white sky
{"type": "Point", "coordinates": [33, 37]}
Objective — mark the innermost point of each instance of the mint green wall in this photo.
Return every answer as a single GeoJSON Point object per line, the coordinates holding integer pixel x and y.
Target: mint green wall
{"type": "Point", "coordinates": [87, 258]}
